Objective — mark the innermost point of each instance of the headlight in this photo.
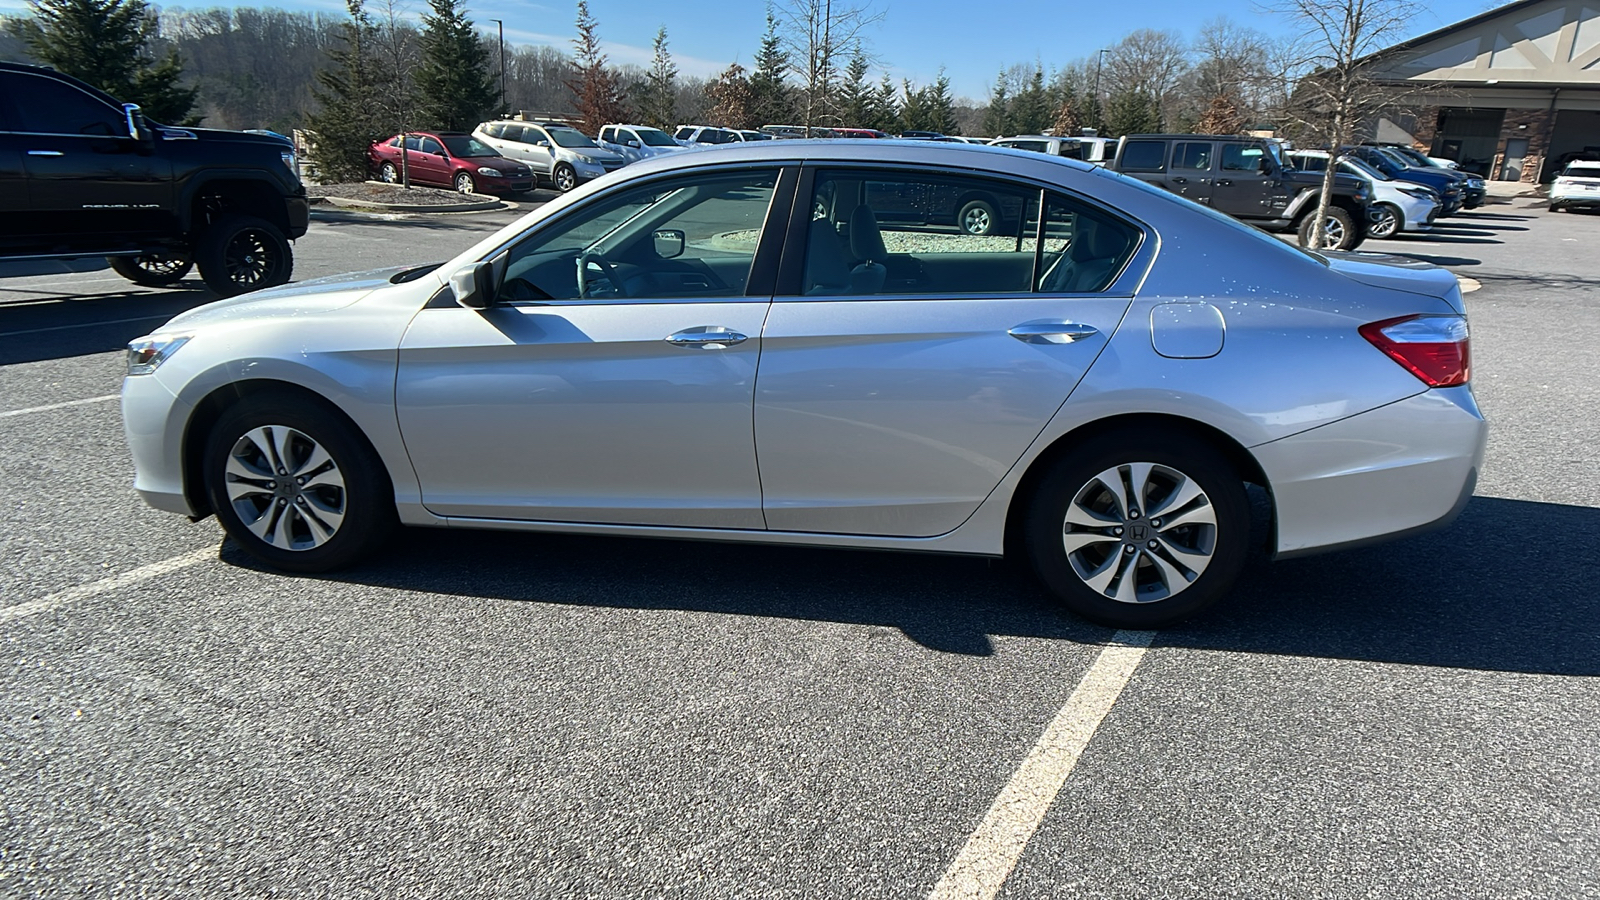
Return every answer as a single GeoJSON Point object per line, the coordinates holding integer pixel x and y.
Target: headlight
{"type": "Point", "coordinates": [1474, 183]}
{"type": "Point", "coordinates": [1419, 193]}
{"type": "Point", "coordinates": [146, 354]}
{"type": "Point", "coordinates": [289, 160]}
{"type": "Point", "coordinates": [492, 173]}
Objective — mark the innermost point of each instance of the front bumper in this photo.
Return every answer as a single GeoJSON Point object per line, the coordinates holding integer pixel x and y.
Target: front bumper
{"type": "Point", "coordinates": [1400, 469]}
{"type": "Point", "coordinates": [153, 420]}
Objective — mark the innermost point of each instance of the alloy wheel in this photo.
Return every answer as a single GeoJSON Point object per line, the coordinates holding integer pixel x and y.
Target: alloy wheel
{"type": "Point", "coordinates": [285, 488]}
{"type": "Point", "coordinates": [250, 258]}
{"type": "Point", "coordinates": [1386, 223]}
{"type": "Point", "coordinates": [1140, 532]}
{"type": "Point", "coordinates": [976, 221]}
{"type": "Point", "coordinates": [464, 184]}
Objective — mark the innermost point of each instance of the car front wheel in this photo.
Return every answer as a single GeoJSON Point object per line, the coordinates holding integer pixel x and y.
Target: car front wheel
{"type": "Point", "coordinates": [566, 178]}
{"type": "Point", "coordinates": [295, 486]}
{"type": "Point", "coordinates": [465, 184]}
{"type": "Point", "coordinates": [1139, 528]}
{"type": "Point", "coordinates": [1386, 222]}
{"type": "Point", "coordinates": [977, 217]}
{"type": "Point", "coordinates": [243, 253]}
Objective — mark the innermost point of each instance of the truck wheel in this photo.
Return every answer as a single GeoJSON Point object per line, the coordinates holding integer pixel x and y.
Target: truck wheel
{"type": "Point", "coordinates": [243, 253]}
{"type": "Point", "coordinates": [1338, 230]}
{"type": "Point", "coordinates": [152, 269]}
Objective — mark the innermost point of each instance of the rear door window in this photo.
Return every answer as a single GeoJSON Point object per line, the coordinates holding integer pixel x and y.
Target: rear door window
{"type": "Point", "coordinates": [1191, 156]}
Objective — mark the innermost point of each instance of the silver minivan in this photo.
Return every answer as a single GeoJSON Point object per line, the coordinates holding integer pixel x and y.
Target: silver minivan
{"type": "Point", "coordinates": [558, 154]}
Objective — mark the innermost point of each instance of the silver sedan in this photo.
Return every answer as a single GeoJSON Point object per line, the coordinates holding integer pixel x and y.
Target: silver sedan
{"type": "Point", "coordinates": [797, 342]}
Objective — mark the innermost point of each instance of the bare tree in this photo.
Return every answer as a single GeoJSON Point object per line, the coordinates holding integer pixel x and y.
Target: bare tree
{"type": "Point", "coordinates": [1147, 64]}
{"type": "Point", "coordinates": [820, 34]}
{"type": "Point", "coordinates": [1232, 73]}
{"type": "Point", "coordinates": [730, 99]}
{"type": "Point", "coordinates": [397, 51]}
{"type": "Point", "coordinates": [1337, 37]}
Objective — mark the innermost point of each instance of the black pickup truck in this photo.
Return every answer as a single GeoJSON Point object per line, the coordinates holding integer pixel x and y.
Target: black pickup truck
{"type": "Point", "coordinates": [82, 176]}
{"type": "Point", "coordinates": [1247, 179]}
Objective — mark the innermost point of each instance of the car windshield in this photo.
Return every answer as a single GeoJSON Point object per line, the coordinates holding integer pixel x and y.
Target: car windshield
{"type": "Point", "coordinates": [570, 137]}
{"type": "Point", "coordinates": [655, 137]}
{"type": "Point", "coordinates": [1395, 158]}
{"type": "Point", "coordinates": [1365, 169]}
{"type": "Point", "coordinates": [462, 146]}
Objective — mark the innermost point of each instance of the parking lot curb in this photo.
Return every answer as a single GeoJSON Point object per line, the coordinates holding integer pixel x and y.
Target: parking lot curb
{"type": "Point", "coordinates": [485, 204]}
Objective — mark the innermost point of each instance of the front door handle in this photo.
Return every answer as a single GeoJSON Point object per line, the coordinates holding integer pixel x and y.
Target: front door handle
{"type": "Point", "coordinates": [1180, 181]}
{"type": "Point", "coordinates": [709, 337]}
{"type": "Point", "coordinates": [1052, 332]}
{"type": "Point", "coordinates": [45, 153]}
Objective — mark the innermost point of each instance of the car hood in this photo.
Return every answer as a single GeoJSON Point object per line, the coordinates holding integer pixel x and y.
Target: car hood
{"type": "Point", "coordinates": [299, 299]}
{"type": "Point", "coordinates": [219, 135]}
{"type": "Point", "coordinates": [1398, 273]}
{"type": "Point", "coordinates": [595, 152]}
{"type": "Point", "coordinates": [503, 163]}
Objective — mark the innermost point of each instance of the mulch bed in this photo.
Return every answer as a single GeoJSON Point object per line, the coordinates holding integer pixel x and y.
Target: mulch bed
{"type": "Point", "coordinates": [390, 193]}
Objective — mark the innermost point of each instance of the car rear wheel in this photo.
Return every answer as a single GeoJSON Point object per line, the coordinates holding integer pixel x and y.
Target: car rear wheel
{"type": "Point", "coordinates": [1338, 230]}
{"type": "Point", "coordinates": [295, 486]}
{"type": "Point", "coordinates": [1386, 222]}
{"type": "Point", "coordinates": [1139, 528]}
{"type": "Point", "coordinates": [977, 217]}
{"type": "Point", "coordinates": [152, 269]}
{"type": "Point", "coordinates": [243, 253]}
{"type": "Point", "coordinates": [388, 174]}
{"type": "Point", "coordinates": [465, 184]}
{"type": "Point", "coordinates": [566, 178]}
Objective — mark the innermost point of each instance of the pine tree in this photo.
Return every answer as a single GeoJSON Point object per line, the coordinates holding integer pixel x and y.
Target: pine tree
{"type": "Point", "coordinates": [997, 118]}
{"type": "Point", "coordinates": [941, 106]}
{"type": "Point", "coordinates": [1132, 112]}
{"type": "Point", "coordinates": [455, 87]}
{"type": "Point", "coordinates": [658, 98]}
{"type": "Point", "coordinates": [107, 44]}
{"type": "Point", "coordinates": [885, 107]}
{"type": "Point", "coordinates": [856, 94]}
{"type": "Point", "coordinates": [348, 122]}
{"type": "Point", "coordinates": [1030, 112]}
{"type": "Point", "coordinates": [771, 97]}
{"type": "Point", "coordinates": [916, 114]}
{"type": "Point", "coordinates": [596, 89]}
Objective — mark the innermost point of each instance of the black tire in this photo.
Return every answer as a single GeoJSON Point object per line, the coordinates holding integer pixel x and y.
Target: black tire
{"type": "Point", "coordinates": [364, 503]}
{"type": "Point", "coordinates": [977, 217]}
{"type": "Point", "coordinates": [152, 269]}
{"type": "Point", "coordinates": [1555, 207]}
{"type": "Point", "coordinates": [243, 253]}
{"type": "Point", "coordinates": [388, 174]}
{"type": "Point", "coordinates": [565, 178]}
{"type": "Point", "coordinates": [1074, 481]}
{"type": "Point", "coordinates": [1388, 223]}
{"type": "Point", "coordinates": [1339, 220]}
{"type": "Point", "coordinates": [464, 183]}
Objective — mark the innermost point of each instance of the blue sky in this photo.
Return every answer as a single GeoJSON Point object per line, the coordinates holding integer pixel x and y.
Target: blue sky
{"type": "Point", "coordinates": [972, 39]}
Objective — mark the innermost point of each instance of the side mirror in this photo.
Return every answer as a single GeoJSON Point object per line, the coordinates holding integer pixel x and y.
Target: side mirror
{"type": "Point", "coordinates": [1264, 165]}
{"type": "Point", "coordinates": [473, 285]}
{"type": "Point", "coordinates": [541, 143]}
{"type": "Point", "coordinates": [138, 129]}
{"type": "Point", "coordinates": [633, 143]}
{"type": "Point", "coordinates": [669, 243]}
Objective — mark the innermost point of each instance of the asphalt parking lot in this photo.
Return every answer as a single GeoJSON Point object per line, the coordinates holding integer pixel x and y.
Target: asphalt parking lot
{"type": "Point", "coordinates": [500, 715]}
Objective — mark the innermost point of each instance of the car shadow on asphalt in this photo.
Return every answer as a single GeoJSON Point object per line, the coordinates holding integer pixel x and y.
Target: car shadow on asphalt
{"type": "Point", "coordinates": [1488, 593]}
{"type": "Point", "coordinates": [39, 324]}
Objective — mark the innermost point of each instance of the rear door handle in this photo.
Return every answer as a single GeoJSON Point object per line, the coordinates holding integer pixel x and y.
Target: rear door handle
{"type": "Point", "coordinates": [45, 153]}
{"type": "Point", "coordinates": [1180, 181]}
{"type": "Point", "coordinates": [1224, 181]}
{"type": "Point", "coordinates": [709, 337]}
{"type": "Point", "coordinates": [1052, 332]}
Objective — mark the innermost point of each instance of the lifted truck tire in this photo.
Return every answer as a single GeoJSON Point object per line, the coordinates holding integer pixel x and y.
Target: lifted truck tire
{"type": "Point", "coordinates": [243, 253]}
{"type": "Point", "coordinates": [152, 269]}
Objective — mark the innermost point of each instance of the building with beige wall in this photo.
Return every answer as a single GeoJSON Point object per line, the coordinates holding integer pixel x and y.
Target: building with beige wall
{"type": "Point", "coordinates": [1512, 93]}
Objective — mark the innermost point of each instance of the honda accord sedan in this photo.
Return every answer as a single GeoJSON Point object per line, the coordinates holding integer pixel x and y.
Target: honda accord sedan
{"type": "Point", "coordinates": [757, 345]}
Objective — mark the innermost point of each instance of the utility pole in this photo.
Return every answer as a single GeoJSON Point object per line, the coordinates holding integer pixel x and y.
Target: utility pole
{"type": "Point", "coordinates": [1099, 115]}
{"type": "Point", "coordinates": [504, 112]}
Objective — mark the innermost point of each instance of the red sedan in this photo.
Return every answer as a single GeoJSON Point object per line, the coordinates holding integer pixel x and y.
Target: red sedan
{"type": "Point", "coordinates": [453, 160]}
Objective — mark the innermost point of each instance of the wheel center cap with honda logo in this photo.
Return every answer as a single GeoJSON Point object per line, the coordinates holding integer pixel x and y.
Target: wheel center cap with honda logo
{"type": "Point", "coordinates": [1137, 532]}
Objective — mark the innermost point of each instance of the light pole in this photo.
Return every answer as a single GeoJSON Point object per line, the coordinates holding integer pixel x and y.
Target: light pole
{"type": "Point", "coordinates": [1098, 60]}
{"type": "Point", "coordinates": [502, 25]}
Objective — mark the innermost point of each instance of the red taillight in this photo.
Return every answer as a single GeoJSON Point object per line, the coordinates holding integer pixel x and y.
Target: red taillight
{"type": "Point", "coordinates": [1436, 349]}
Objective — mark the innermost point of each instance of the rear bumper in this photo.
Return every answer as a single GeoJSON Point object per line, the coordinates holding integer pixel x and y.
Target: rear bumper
{"type": "Point", "coordinates": [1397, 470]}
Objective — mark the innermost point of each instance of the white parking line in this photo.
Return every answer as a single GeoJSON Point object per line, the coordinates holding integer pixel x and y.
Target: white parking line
{"type": "Point", "coordinates": [63, 405]}
{"type": "Point", "coordinates": [104, 585]}
{"type": "Point", "coordinates": [993, 850]}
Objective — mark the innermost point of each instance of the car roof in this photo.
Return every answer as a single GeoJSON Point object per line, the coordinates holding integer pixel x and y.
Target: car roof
{"type": "Point", "coordinates": [980, 157]}
{"type": "Point", "coordinates": [1584, 164]}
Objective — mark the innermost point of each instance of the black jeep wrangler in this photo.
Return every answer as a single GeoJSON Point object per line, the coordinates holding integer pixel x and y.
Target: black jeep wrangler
{"type": "Point", "coordinates": [84, 176]}
{"type": "Point", "coordinates": [1247, 179]}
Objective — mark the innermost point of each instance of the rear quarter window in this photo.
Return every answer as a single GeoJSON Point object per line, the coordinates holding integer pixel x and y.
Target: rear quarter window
{"type": "Point", "coordinates": [1144, 156]}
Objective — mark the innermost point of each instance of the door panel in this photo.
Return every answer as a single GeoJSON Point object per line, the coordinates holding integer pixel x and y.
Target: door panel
{"type": "Point", "coordinates": [583, 413]}
{"type": "Point", "coordinates": [1242, 188]}
{"type": "Point", "coordinates": [1190, 172]}
{"type": "Point", "coordinates": [898, 417]}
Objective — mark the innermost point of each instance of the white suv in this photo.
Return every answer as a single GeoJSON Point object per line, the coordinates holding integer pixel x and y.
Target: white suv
{"type": "Point", "coordinates": [559, 154]}
{"type": "Point", "coordinates": [636, 142]}
{"type": "Point", "coordinates": [1095, 150]}
{"type": "Point", "coordinates": [1396, 205]}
